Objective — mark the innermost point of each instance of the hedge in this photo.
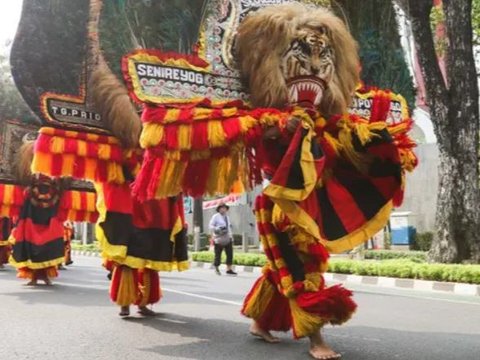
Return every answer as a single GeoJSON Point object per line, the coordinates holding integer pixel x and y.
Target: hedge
{"type": "Point", "coordinates": [400, 268]}
{"type": "Point", "coordinates": [89, 247]}
{"type": "Point", "coordinates": [422, 241]}
{"type": "Point", "coordinates": [238, 258]}
{"type": "Point", "coordinates": [416, 256]}
{"type": "Point", "coordinates": [409, 270]}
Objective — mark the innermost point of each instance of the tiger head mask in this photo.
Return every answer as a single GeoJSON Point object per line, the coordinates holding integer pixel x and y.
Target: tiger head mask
{"type": "Point", "coordinates": [295, 54]}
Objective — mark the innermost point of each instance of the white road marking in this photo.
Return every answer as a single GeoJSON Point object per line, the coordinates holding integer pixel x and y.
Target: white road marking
{"type": "Point", "coordinates": [202, 297]}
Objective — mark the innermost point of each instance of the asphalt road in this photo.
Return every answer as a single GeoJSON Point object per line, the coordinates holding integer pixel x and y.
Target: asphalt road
{"type": "Point", "coordinates": [199, 319]}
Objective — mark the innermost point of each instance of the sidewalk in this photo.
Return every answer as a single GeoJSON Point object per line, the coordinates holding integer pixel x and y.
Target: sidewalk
{"type": "Point", "coordinates": [385, 282]}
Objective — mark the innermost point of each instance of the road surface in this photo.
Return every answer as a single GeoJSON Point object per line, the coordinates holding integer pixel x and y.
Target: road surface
{"type": "Point", "coordinates": [199, 319]}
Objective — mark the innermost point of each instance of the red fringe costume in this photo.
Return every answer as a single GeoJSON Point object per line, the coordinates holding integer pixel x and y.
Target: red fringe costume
{"type": "Point", "coordinates": [38, 246]}
{"type": "Point", "coordinates": [333, 185]}
{"type": "Point", "coordinates": [39, 237]}
{"type": "Point", "coordinates": [138, 240]}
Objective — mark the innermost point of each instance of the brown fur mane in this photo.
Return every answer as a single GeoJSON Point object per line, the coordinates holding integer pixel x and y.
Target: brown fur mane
{"type": "Point", "coordinates": [113, 103]}
{"type": "Point", "coordinates": [264, 36]}
{"type": "Point", "coordinates": [23, 163]}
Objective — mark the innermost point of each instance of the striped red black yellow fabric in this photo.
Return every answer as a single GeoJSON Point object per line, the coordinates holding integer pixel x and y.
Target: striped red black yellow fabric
{"type": "Point", "coordinates": [341, 187]}
{"type": "Point", "coordinates": [292, 292]}
{"type": "Point", "coordinates": [78, 206]}
{"type": "Point", "coordinates": [11, 200]}
{"type": "Point", "coordinates": [38, 238]}
{"type": "Point", "coordinates": [148, 235]}
{"type": "Point", "coordinates": [66, 153]}
{"type": "Point", "coordinates": [201, 148]}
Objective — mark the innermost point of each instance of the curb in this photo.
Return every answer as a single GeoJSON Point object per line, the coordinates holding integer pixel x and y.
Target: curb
{"type": "Point", "coordinates": [85, 253]}
{"type": "Point", "coordinates": [380, 281]}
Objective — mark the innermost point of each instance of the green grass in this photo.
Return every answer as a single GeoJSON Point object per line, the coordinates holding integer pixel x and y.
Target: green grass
{"type": "Point", "coordinates": [407, 268]}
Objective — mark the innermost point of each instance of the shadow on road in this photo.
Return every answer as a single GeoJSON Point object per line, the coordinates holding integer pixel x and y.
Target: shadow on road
{"type": "Point", "coordinates": [222, 339]}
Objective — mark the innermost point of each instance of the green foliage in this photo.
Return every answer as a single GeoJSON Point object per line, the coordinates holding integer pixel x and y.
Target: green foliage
{"type": "Point", "coordinates": [437, 16]}
{"type": "Point", "coordinates": [374, 26]}
{"type": "Point", "coordinates": [422, 241]}
{"type": "Point", "coordinates": [204, 241]}
{"type": "Point", "coordinates": [400, 268]}
{"type": "Point", "coordinates": [169, 25]}
{"type": "Point", "coordinates": [12, 105]}
{"type": "Point", "coordinates": [238, 258]}
{"type": "Point", "coordinates": [93, 247]}
{"type": "Point", "coordinates": [476, 21]}
{"type": "Point", "coordinates": [404, 268]}
{"type": "Point", "coordinates": [416, 256]}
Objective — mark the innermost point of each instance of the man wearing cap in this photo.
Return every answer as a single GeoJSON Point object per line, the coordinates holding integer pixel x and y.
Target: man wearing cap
{"type": "Point", "coordinates": [221, 228]}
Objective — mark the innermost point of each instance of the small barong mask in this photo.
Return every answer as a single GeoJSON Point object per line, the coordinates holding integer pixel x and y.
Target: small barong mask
{"type": "Point", "coordinates": [44, 191]}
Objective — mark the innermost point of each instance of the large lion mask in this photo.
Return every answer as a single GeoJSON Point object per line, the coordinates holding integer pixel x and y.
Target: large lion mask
{"type": "Point", "coordinates": [296, 54]}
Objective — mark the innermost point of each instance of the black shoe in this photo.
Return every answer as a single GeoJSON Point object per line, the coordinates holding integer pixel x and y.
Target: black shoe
{"type": "Point", "coordinates": [217, 271]}
{"type": "Point", "coordinates": [231, 272]}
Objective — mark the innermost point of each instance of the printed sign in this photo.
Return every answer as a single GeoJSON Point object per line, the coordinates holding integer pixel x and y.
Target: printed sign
{"type": "Point", "coordinates": [363, 101]}
{"type": "Point", "coordinates": [210, 73]}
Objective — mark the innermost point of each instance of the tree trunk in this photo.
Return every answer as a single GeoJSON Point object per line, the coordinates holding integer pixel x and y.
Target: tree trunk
{"type": "Point", "coordinates": [454, 112]}
{"type": "Point", "coordinates": [198, 213]}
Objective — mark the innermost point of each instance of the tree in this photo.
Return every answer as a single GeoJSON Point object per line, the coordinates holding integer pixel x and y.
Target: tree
{"type": "Point", "coordinates": [454, 111]}
{"type": "Point", "coordinates": [373, 25]}
{"type": "Point", "coordinates": [12, 105]}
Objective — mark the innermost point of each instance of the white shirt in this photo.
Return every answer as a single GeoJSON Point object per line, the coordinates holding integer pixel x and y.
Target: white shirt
{"type": "Point", "coordinates": [216, 223]}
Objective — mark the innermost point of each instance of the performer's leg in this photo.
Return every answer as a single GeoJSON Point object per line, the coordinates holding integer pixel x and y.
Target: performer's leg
{"type": "Point", "coordinates": [45, 274]}
{"type": "Point", "coordinates": [124, 288]}
{"type": "Point", "coordinates": [218, 256]}
{"type": "Point", "coordinates": [26, 273]}
{"type": "Point", "coordinates": [268, 308]}
{"type": "Point", "coordinates": [229, 252]}
{"type": "Point", "coordinates": [4, 254]}
{"type": "Point", "coordinates": [150, 292]}
{"type": "Point", "coordinates": [319, 349]}
{"type": "Point", "coordinates": [68, 252]}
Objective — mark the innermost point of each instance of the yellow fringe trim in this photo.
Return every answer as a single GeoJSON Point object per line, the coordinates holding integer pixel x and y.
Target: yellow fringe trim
{"type": "Point", "coordinates": [145, 289]}
{"type": "Point", "coordinates": [362, 234]}
{"type": "Point", "coordinates": [118, 253]}
{"type": "Point", "coordinates": [36, 265]}
{"type": "Point", "coordinates": [304, 323]}
{"type": "Point", "coordinates": [127, 289]}
{"type": "Point", "coordinates": [260, 299]}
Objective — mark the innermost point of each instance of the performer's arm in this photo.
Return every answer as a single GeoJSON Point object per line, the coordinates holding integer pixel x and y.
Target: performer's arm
{"type": "Point", "coordinates": [213, 223]}
{"type": "Point", "coordinates": [275, 132]}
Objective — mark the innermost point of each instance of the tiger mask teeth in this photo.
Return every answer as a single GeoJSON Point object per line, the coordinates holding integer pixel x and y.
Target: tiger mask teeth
{"type": "Point", "coordinates": [305, 90]}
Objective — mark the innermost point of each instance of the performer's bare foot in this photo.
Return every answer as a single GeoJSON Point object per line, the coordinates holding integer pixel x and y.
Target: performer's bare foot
{"type": "Point", "coordinates": [143, 310]}
{"type": "Point", "coordinates": [124, 311]}
{"type": "Point", "coordinates": [47, 281]}
{"type": "Point", "coordinates": [32, 282]}
{"type": "Point", "coordinates": [320, 350]}
{"type": "Point", "coordinates": [256, 330]}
